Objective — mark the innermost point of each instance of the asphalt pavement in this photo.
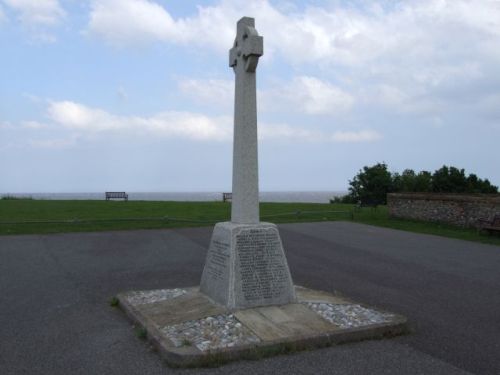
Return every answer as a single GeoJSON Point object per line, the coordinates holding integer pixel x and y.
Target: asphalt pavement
{"type": "Point", "coordinates": [55, 316]}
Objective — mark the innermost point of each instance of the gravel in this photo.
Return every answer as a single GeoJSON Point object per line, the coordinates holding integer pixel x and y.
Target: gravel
{"type": "Point", "coordinates": [152, 296]}
{"type": "Point", "coordinates": [213, 332]}
{"type": "Point", "coordinates": [349, 315]}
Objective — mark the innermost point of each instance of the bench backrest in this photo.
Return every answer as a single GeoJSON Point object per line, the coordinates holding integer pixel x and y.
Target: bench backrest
{"type": "Point", "coordinates": [116, 194]}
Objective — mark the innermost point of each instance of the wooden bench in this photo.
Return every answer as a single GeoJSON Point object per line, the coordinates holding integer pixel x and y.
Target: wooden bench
{"type": "Point", "coordinates": [116, 195]}
{"type": "Point", "coordinates": [491, 226]}
{"type": "Point", "coordinates": [227, 197]}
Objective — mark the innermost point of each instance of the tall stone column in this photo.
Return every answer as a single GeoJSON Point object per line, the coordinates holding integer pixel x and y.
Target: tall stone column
{"type": "Point", "coordinates": [246, 265]}
{"type": "Point", "coordinates": [243, 58]}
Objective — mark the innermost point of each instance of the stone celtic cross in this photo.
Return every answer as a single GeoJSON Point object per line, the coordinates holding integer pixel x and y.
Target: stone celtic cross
{"type": "Point", "coordinates": [248, 46]}
{"type": "Point", "coordinates": [246, 264]}
{"type": "Point", "coordinates": [243, 58]}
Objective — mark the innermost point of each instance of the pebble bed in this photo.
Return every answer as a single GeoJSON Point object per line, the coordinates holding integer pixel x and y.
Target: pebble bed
{"type": "Point", "coordinates": [213, 332]}
{"type": "Point", "coordinates": [152, 296]}
{"type": "Point", "coordinates": [349, 316]}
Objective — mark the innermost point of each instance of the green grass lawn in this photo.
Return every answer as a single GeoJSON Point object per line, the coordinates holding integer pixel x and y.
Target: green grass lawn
{"type": "Point", "coordinates": [20, 216]}
{"type": "Point", "coordinates": [26, 216]}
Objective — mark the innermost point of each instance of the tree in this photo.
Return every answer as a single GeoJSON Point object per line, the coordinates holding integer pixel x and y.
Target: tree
{"type": "Point", "coordinates": [411, 182]}
{"type": "Point", "coordinates": [477, 185]}
{"type": "Point", "coordinates": [423, 182]}
{"type": "Point", "coordinates": [473, 184]}
{"type": "Point", "coordinates": [449, 180]}
{"type": "Point", "coordinates": [408, 180]}
{"type": "Point", "coordinates": [371, 184]}
{"type": "Point", "coordinates": [453, 180]}
{"type": "Point", "coordinates": [487, 188]}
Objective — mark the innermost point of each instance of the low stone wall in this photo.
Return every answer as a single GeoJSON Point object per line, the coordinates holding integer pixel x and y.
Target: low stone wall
{"type": "Point", "coordinates": [457, 209]}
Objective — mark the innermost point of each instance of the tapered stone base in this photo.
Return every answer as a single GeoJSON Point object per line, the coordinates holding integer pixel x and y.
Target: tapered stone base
{"type": "Point", "coordinates": [246, 267]}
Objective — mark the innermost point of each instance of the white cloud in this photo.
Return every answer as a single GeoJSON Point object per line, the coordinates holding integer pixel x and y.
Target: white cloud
{"type": "Point", "coordinates": [130, 21]}
{"type": "Point", "coordinates": [319, 97]}
{"type": "Point", "coordinates": [286, 132]}
{"type": "Point", "coordinates": [351, 35]}
{"type": "Point", "coordinates": [304, 94]}
{"type": "Point", "coordinates": [38, 17]}
{"type": "Point", "coordinates": [192, 126]}
{"type": "Point", "coordinates": [386, 95]}
{"type": "Point", "coordinates": [123, 22]}
{"type": "Point", "coordinates": [308, 95]}
{"type": "Point", "coordinates": [37, 12]}
{"type": "Point", "coordinates": [212, 91]}
{"type": "Point", "coordinates": [423, 51]}
{"type": "Point", "coordinates": [354, 137]}
{"type": "Point", "coordinates": [2, 15]}
{"type": "Point", "coordinates": [393, 99]}
{"type": "Point", "coordinates": [187, 125]}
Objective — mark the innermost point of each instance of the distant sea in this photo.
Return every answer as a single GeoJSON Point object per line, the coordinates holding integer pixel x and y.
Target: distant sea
{"type": "Point", "coordinates": [270, 196]}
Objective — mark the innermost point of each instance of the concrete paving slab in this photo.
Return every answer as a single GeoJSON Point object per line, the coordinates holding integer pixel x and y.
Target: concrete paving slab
{"type": "Point", "coordinates": [295, 320]}
{"type": "Point", "coordinates": [305, 294]}
{"type": "Point", "coordinates": [190, 306]}
{"type": "Point", "coordinates": [263, 327]}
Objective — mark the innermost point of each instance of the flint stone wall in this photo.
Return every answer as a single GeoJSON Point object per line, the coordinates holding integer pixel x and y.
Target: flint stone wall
{"type": "Point", "coordinates": [462, 210]}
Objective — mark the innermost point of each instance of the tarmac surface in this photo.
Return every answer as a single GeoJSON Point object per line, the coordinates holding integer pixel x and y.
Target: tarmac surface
{"type": "Point", "coordinates": [55, 316]}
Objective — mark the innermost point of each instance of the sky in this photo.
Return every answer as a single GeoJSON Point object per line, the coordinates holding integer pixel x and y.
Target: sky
{"type": "Point", "coordinates": [137, 95]}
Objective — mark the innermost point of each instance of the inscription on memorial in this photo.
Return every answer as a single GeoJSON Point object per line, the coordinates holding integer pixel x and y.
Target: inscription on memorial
{"type": "Point", "coordinates": [219, 260]}
{"type": "Point", "coordinates": [264, 275]}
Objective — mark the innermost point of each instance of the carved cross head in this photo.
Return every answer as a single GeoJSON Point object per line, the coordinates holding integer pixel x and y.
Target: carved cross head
{"type": "Point", "coordinates": [248, 46]}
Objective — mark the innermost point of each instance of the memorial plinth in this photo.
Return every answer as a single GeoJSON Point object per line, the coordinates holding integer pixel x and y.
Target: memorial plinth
{"type": "Point", "coordinates": [246, 267]}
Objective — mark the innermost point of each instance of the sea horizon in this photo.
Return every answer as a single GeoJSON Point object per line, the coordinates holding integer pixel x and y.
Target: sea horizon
{"type": "Point", "coordinates": [202, 196]}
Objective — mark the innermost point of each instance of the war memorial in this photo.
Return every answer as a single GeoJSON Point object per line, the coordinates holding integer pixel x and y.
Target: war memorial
{"type": "Point", "coordinates": [247, 304]}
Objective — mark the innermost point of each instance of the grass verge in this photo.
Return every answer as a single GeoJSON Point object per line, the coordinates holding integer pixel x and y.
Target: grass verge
{"type": "Point", "coordinates": [26, 216]}
{"type": "Point", "coordinates": [380, 217]}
